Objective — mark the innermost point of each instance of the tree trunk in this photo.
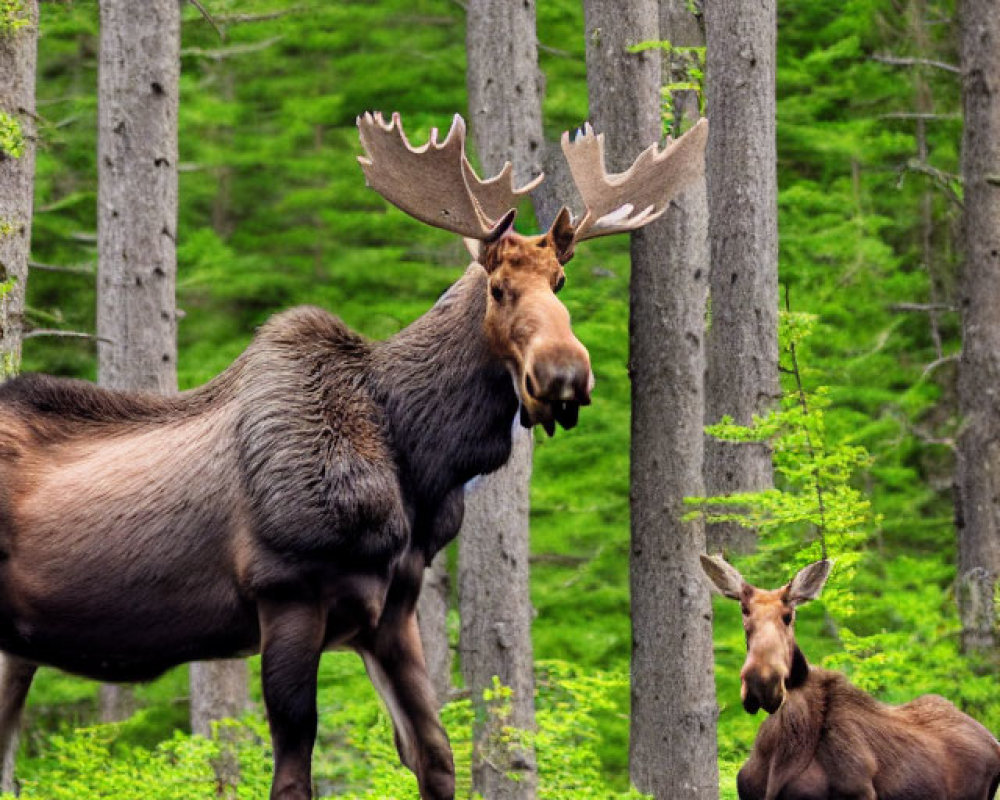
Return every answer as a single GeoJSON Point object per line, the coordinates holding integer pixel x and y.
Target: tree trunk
{"type": "Point", "coordinates": [432, 615]}
{"type": "Point", "coordinates": [137, 195]}
{"type": "Point", "coordinates": [18, 55]}
{"type": "Point", "coordinates": [495, 636]}
{"type": "Point", "coordinates": [505, 110]}
{"type": "Point", "coordinates": [978, 466]}
{"type": "Point", "coordinates": [137, 228]}
{"type": "Point", "coordinates": [741, 162]}
{"type": "Point", "coordinates": [18, 49]}
{"type": "Point", "coordinates": [672, 749]}
{"type": "Point", "coordinates": [137, 211]}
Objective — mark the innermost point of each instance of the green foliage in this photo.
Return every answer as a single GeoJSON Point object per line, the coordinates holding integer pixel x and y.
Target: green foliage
{"type": "Point", "coordinates": [11, 137]}
{"type": "Point", "coordinates": [355, 757]}
{"type": "Point", "coordinates": [687, 74]}
{"type": "Point", "coordinates": [91, 762]}
{"type": "Point", "coordinates": [13, 16]}
{"type": "Point", "coordinates": [814, 510]}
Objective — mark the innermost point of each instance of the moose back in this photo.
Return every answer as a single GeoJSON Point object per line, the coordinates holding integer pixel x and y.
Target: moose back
{"type": "Point", "coordinates": [291, 504]}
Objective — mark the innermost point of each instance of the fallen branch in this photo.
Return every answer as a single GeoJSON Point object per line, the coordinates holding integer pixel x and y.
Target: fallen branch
{"type": "Point", "coordinates": [74, 269]}
{"type": "Point", "coordinates": [266, 16]}
{"type": "Point", "coordinates": [921, 307]}
{"type": "Point", "coordinates": [937, 362]}
{"type": "Point", "coordinates": [943, 179]}
{"type": "Point", "coordinates": [230, 52]}
{"type": "Point", "coordinates": [901, 61]}
{"type": "Point", "coordinates": [925, 115]}
{"type": "Point", "coordinates": [65, 334]}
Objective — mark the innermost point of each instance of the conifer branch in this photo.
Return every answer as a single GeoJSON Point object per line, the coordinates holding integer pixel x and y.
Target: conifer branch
{"type": "Point", "coordinates": [804, 405]}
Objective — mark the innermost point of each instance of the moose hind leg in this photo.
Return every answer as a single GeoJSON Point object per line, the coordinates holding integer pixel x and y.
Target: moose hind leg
{"type": "Point", "coordinates": [16, 675]}
{"type": "Point", "coordinates": [395, 663]}
{"type": "Point", "coordinates": [291, 645]}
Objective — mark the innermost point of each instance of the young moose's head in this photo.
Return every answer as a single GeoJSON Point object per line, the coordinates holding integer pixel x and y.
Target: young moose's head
{"type": "Point", "coordinates": [774, 663]}
{"type": "Point", "coordinates": [526, 325]}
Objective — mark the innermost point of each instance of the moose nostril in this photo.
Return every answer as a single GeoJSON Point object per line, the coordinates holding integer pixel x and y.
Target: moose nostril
{"type": "Point", "coordinates": [529, 384]}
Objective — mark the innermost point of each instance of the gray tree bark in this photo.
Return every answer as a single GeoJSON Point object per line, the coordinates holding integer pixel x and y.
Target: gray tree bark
{"type": "Point", "coordinates": [672, 746]}
{"type": "Point", "coordinates": [137, 228]}
{"type": "Point", "coordinates": [742, 344]}
{"type": "Point", "coordinates": [505, 89]}
{"type": "Point", "coordinates": [18, 56]}
{"type": "Point", "coordinates": [138, 78]}
{"type": "Point", "coordinates": [978, 466]}
{"type": "Point", "coordinates": [432, 616]}
{"type": "Point", "coordinates": [18, 53]}
{"type": "Point", "coordinates": [137, 194]}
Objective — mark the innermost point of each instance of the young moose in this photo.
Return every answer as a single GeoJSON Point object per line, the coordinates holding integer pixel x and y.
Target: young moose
{"type": "Point", "coordinates": [828, 740]}
{"type": "Point", "coordinates": [291, 504]}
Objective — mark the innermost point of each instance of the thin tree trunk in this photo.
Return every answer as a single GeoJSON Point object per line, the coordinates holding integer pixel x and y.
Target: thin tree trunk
{"type": "Point", "coordinates": [978, 467]}
{"type": "Point", "coordinates": [432, 616]}
{"type": "Point", "coordinates": [742, 344]}
{"type": "Point", "coordinates": [18, 56]}
{"type": "Point", "coordinates": [493, 574]}
{"type": "Point", "coordinates": [18, 53]}
{"type": "Point", "coordinates": [137, 195]}
{"type": "Point", "coordinates": [137, 210]}
{"type": "Point", "coordinates": [495, 635]}
{"type": "Point", "coordinates": [672, 748]}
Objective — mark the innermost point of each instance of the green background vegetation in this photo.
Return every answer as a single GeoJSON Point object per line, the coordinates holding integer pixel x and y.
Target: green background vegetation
{"type": "Point", "coordinates": [274, 212]}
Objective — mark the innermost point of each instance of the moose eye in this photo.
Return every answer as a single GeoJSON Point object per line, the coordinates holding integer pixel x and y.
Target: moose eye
{"type": "Point", "coordinates": [787, 618]}
{"type": "Point", "coordinates": [497, 292]}
{"type": "Point", "coordinates": [559, 283]}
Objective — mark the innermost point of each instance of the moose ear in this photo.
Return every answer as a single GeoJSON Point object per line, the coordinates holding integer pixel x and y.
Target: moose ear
{"type": "Point", "coordinates": [563, 233]}
{"type": "Point", "coordinates": [724, 576]}
{"type": "Point", "coordinates": [809, 582]}
{"type": "Point", "coordinates": [491, 244]}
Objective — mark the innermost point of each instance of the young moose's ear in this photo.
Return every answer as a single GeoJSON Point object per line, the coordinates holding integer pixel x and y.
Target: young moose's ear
{"type": "Point", "coordinates": [725, 576]}
{"type": "Point", "coordinates": [562, 232]}
{"type": "Point", "coordinates": [809, 581]}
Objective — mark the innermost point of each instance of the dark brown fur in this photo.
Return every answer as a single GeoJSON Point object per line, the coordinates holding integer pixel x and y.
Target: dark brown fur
{"type": "Point", "coordinates": [288, 506]}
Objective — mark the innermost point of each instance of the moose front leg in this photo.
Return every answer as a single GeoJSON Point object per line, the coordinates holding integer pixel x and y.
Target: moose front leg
{"type": "Point", "coordinates": [395, 663]}
{"type": "Point", "coordinates": [292, 637]}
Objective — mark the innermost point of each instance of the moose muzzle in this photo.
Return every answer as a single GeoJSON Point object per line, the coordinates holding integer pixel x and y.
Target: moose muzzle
{"type": "Point", "coordinates": [557, 381]}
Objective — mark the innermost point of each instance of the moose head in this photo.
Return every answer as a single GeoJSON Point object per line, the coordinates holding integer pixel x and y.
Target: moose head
{"type": "Point", "coordinates": [774, 662]}
{"type": "Point", "coordinates": [527, 326]}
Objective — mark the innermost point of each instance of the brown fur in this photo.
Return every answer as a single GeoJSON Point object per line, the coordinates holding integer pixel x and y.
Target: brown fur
{"type": "Point", "coordinates": [831, 740]}
{"type": "Point", "coordinates": [826, 739]}
{"type": "Point", "coordinates": [287, 506]}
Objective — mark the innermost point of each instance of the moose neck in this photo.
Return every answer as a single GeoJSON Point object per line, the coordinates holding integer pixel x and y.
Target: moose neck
{"type": "Point", "coordinates": [450, 402]}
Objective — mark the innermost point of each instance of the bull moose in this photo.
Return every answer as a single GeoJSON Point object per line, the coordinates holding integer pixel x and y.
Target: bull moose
{"type": "Point", "coordinates": [291, 504]}
{"type": "Point", "coordinates": [825, 739]}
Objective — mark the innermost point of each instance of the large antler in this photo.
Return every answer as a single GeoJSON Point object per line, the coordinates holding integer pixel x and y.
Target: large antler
{"type": "Point", "coordinates": [435, 183]}
{"type": "Point", "coordinates": [628, 200]}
